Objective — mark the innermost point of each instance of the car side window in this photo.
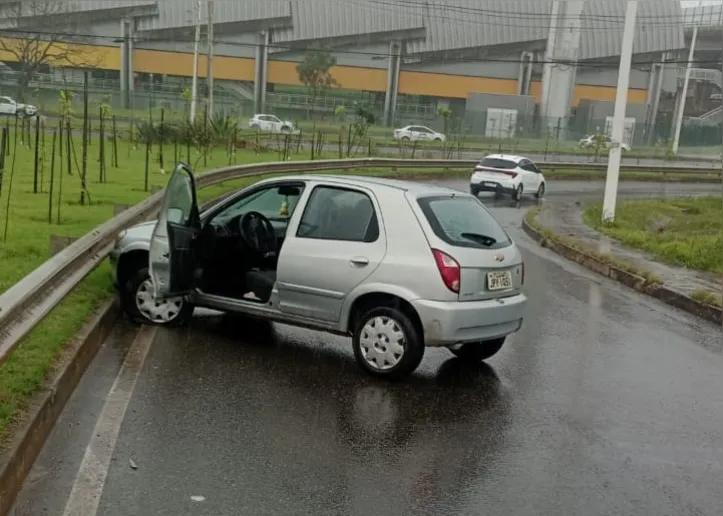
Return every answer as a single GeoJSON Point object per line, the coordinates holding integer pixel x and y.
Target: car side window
{"type": "Point", "coordinates": [276, 203]}
{"type": "Point", "coordinates": [529, 166]}
{"type": "Point", "coordinates": [334, 213]}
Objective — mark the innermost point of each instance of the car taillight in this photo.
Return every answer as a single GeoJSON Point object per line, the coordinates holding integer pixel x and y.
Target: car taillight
{"type": "Point", "coordinates": [511, 174]}
{"type": "Point", "coordinates": [449, 269]}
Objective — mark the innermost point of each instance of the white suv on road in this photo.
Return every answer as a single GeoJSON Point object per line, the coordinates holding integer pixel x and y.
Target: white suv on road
{"type": "Point", "coordinates": [503, 173]}
{"type": "Point", "coordinates": [9, 107]}
{"type": "Point", "coordinates": [270, 123]}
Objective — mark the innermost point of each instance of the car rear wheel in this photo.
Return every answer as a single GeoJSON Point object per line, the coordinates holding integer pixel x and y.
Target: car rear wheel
{"type": "Point", "coordinates": [386, 343]}
{"type": "Point", "coordinates": [478, 351]}
{"type": "Point", "coordinates": [540, 191]}
{"type": "Point", "coordinates": [138, 302]}
{"type": "Point", "coordinates": [517, 194]}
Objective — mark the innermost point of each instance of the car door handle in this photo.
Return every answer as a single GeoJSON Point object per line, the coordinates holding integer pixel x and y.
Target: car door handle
{"type": "Point", "coordinates": [359, 261]}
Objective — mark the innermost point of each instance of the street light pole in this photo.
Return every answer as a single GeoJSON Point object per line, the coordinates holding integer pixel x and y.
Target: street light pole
{"type": "Point", "coordinates": [684, 93]}
{"type": "Point", "coordinates": [194, 80]}
{"type": "Point", "coordinates": [621, 101]}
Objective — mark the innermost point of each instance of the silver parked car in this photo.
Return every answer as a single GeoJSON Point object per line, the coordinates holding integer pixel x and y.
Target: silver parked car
{"type": "Point", "coordinates": [396, 265]}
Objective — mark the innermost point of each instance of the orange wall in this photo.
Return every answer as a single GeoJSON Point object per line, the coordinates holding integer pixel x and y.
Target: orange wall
{"type": "Point", "coordinates": [284, 72]}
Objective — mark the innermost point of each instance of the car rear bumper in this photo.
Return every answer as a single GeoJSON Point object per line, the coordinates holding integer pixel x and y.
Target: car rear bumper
{"type": "Point", "coordinates": [492, 186]}
{"type": "Point", "coordinates": [449, 323]}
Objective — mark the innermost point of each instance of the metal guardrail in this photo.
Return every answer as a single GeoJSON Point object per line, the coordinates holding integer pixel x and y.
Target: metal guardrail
{"type": "Point", "coordinates": [26, 303]}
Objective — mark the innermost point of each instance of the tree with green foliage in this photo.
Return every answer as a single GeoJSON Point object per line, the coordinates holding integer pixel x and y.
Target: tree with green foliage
{"type": "Point", "coordinates": [315, 73]}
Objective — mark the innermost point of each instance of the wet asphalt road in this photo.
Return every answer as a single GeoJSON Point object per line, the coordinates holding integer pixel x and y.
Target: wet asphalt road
{"type": "Point", "coordinates": [606, 402]}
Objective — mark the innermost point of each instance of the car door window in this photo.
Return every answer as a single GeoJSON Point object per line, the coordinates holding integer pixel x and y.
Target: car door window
{"type": "Point", "coordinates": [334, 213]}
{"type": "Point", "coordinates": [276, 203]}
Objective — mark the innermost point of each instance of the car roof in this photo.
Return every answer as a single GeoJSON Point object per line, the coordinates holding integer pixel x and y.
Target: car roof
{"type": "Point", "coordinates": [374, 183]}
{"type": "Point", "coordinates": [508, 157]}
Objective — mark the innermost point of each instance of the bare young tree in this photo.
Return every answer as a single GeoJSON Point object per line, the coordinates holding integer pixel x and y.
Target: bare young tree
{"type": "Point", "coordinates": [41, 33]}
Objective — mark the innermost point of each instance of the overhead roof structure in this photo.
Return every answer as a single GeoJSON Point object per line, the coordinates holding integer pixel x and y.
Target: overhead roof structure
{"type": "Point", "coordinates": [704, 16]}
{"type": "Point", "coordinates": [659, 28]}
{"type": "Point", "coordinates": [432, 29]}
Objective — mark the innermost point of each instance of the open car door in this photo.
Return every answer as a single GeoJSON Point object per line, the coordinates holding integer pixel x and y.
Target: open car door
{"type": "Point", "coordinates": [173, 249]}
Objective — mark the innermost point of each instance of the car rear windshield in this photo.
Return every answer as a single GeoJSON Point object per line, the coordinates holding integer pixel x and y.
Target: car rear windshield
{"type": "Point", "coordinates": [498, 163]}
{"type": "Point", "coordinates": [463, 222]}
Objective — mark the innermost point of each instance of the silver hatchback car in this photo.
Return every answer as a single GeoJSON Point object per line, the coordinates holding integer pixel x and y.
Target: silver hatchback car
{"type": "Point", "coordinates": [396, 265]}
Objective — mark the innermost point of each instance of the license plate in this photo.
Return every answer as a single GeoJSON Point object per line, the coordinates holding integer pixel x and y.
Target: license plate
{"type": "Point", "coordinates": [493, 185]}
{"type": "Point", "coordinates": [499, 280]}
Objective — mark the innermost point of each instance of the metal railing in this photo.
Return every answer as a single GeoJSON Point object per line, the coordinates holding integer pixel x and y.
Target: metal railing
{"type": "Point", "coordinates": [25, 304]}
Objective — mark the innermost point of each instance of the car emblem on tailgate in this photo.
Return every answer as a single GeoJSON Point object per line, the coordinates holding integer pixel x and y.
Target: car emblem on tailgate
{"type": "Point", "coordinates": [500, 257]}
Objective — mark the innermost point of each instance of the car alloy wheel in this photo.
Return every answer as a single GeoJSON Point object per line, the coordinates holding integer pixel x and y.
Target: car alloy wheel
{"type": "Point", "coordinates": [162, 311]}
{"type": "Point", "coordinates": [540, 191]}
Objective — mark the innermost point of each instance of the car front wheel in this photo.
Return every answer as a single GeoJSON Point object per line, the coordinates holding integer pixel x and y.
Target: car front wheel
{"type": "Point", "coordinates": [387, 344]}
{"type": "Point", "coordinates": [540, 191]}
{"type": "Point", "coordinates": [478, 351]}
{"type": "Point", "coordinates": [137, 300]}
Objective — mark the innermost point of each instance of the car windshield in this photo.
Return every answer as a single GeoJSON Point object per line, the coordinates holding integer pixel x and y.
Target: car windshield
{"type": "Point", "coordinates": [464, 222]}
{"type": "Point", "coordinates": [498, 163]}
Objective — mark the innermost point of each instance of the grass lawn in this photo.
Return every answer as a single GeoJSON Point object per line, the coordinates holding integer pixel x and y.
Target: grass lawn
{"type": "Point", "coordinates": [26, 244]}
{"type": "Point", "coordinates": [684, 232]}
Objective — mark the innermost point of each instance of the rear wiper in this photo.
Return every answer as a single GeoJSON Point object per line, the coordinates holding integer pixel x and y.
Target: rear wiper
{"type": "Point", "coordinates": [480, 239]}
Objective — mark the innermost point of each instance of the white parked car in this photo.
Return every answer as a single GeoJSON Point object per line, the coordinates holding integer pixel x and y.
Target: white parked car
{"type": "Point", "coordinates": [9, 107]}
{"type": "Point", "coordinates": [589, 142]}
{"type": "Point", "coordinates": [504, 173]}
{"type": "Point", "coordinates": [419, 133]}
{"type": "Point", "coordinates": [270, 123]}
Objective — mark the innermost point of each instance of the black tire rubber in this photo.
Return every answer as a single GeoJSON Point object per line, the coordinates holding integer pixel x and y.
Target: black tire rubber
{"type": "Point", "coordinates": [405, 138]}
{"type": "Point", "coordinates": [414, 344]}
{"type": "Point", "coordinates": [255, 127]}
{"type": "Point", "coordinates": [128, 304]}
{"type": "Point", "coordinates": [474, 191]}
{"type": "Point", "coordinates": [517, 194]}
{"type": "Point", "coordinates": [475, 352]}
{"type": "Point", "coordinates": [540, 191]}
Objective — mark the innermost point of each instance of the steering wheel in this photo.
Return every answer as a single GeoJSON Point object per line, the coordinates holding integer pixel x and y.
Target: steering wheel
{"type": "Point", "coordinates": [257, 232]}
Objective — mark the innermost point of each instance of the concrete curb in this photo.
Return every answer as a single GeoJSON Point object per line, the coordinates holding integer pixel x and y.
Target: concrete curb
{"type": "Point", "coordinates": [660, 292]}
{"type": "Point", "coordinates": [17, 460]}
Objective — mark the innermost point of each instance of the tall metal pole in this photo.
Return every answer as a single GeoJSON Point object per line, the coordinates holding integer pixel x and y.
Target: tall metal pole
{"type": "Point", "coordinates": [618, 126]}
{"type": "Point", "coordinates": [209, 60]}
{"type": "Point", "coordinates": [194, 80]}
{"type": "Point", "coordinates": [722, 134]}
{"type": "Point", "coordinates": [684, 94]}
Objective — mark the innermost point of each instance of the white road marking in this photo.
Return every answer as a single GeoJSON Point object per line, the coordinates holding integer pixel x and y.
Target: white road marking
{"type": "Point", "coordinates": [198, 498]}
{"type": "Point", "coordinates": [90, 480]}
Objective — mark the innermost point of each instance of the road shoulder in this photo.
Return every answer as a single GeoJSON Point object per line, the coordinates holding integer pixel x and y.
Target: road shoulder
{"type": "Point", "coordinates": [559, 227]}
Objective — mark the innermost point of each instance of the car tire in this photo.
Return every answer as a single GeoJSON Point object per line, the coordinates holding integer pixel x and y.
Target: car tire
{"type": "Point", "coordinates": [285, 129]}
{"type": "Point", "coordinates": [255, 127]}
{"type": "Point", "coordinates": [475, 352]}
{"type": "Point", "coordinates": [517, 194]}
{"type": "Point", "coordinates": [474, 191]}
{"type": "Point", "coordinates": [405, 138]}
{"type": "Point", "coordinates": [389, 324]}
{"type": "Point", "coordinates": [540, 191]}
{"type": "Point", "coordinates": [135, 295]}
{"type": "Point", "coordinates": [438, 139]}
